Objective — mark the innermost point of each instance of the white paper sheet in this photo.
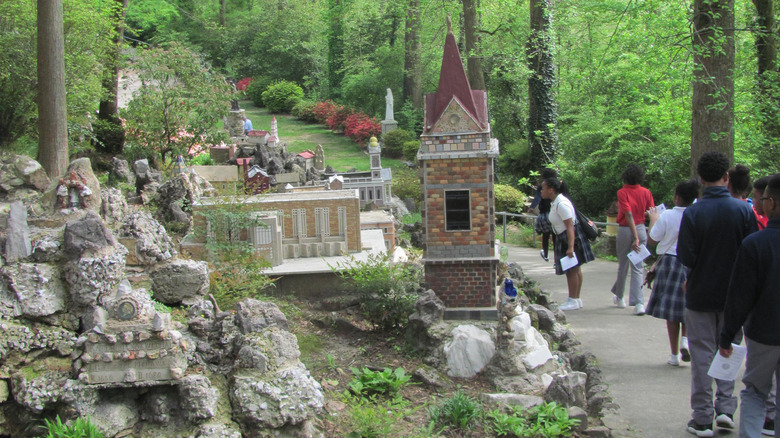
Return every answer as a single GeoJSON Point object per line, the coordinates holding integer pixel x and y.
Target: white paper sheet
{"type": "Point", "coordinates": [660, 209]}
{"type": "Point", "coordinates": [569, 262]}
{"type": "Point", "coordinates": [636, 257]}
{"type": "Point", "coordinates": [727, 368]}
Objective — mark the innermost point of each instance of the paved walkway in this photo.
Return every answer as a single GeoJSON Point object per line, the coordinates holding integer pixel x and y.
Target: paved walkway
{"type": "Point", "coordinates": [632, 350]}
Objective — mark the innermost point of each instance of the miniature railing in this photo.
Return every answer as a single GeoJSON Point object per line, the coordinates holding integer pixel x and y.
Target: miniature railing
{"type": "Point", "coordinates": [533, 218]}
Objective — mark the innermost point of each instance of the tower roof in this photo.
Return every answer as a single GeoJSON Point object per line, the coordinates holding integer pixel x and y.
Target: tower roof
{"type": "Point", "coordinates": [453, 83]}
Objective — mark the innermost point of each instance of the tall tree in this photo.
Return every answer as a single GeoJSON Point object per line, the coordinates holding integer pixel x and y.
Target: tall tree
{"type": "Point", "coordinates": [712, 127]}
{"type": "Point", "coordinates": [412, 56]}
{"type": "Point", "coordinates": [542, 107]}
{"type": "Point", "coordinates": [107, 110]}
{"type": "Point", "coordinates": [473, 60]}
{"type": "Point", "coordinates": [336, 9]}
{"type": "Point", "coordinates": [52, 115]}
{"type": "Point", "coordinates": [768, 73]}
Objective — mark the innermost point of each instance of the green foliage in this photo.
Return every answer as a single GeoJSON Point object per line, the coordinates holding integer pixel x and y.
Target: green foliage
{"type": "Point", "coordinates": [367, 418]}
{"type": "Point", "coordinates": [87, 38]}
{"type": "Point", "coordinates": [388, 290]}
{"type": "Point", "coordinates": [410, 149]}
{"type": "Point", "coordinates": [410, 118]}
{"type": "Point", "coordinates": [282, 96]}
{"type": "Point", "coordinates": [517, 233]}
{"type": "Point", "coordinates": [304, 110]}
{"type": "Point", "coordinates": [78, 428]}
{"type": "Point", "coordinates": [508, 198]}
{"type": "Point", "coordinates": [393, 141]}
{"type": "Point", "coordinates": [514, 158]}
{"type": "Point", "coordinates": [236, 269]}
{"type": "Point", "coordinates": [150, 19]}
{"type": "Point", "coordinates": [368, 383]}
{"type": "Point", "coordinates": [203, 159]}
{"type": "Point", "coordinates": [548, 420]}
{"type": "Point", "coordinates": [180, 103]}
{"type": "Point", "coordinates": [366, 79]}
{"type": "Point", "coordinates": [256, 89]}
{"type": "Point", "coordinates": [458, 412]}
{"type": "Point", "coordinates": [406, 184]}
{"type": "Point", "coordinates": [110, 135]}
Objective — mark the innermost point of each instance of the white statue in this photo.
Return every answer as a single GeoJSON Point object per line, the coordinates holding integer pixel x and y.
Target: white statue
{"type": "Point", "coordinates": [389, 105]}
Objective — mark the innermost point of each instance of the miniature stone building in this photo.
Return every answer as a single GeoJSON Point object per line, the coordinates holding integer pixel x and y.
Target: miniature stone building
{"type": "Point", "coordinates": [456, 159]}
{"type": "Point", "coordinates": [223, 178]}
{"type": "Point", "coordinates": [374, 186]}
{"type": "Point", "coordinates": [380, 220]}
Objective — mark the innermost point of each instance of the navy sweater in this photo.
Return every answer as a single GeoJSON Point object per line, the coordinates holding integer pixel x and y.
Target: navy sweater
{"type": "Point", "coordinates": [711, 232]}
{"type": "Point", "coordinates": [754, 289]}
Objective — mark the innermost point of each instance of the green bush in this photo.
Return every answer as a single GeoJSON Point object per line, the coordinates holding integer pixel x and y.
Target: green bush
{"type": "Point", "coordinates": [203, 159]}
{"type": "Point", "coordinates": [410, 118]}
{"type": "Point", "coordinates": [369, 383]}
{"type": "Point", "coordinates": [410, 149]}
{"type": "Point", "coordinates": [388, 290]}
{"type": "Point", "coordinates": [282, 96]}
{"type": "Point", "coordinates": [458, 412]}
{"type": "Point", "coordinates": [548, 420]}
{"type": "Point", "coordinates": [78, 428]}
{"type": "Point", "coordinates": [110, 136]}
{"type": "Point", "coordinates": [406, 184]}
{"type": "Point", "coordinates": [304, 110]}
{"type": "Point", "coordinates": [508, 198]}
{"type": "Point", "coordinates": [256, 88]}
{"type": "Point", "coordinates": [393, 141]}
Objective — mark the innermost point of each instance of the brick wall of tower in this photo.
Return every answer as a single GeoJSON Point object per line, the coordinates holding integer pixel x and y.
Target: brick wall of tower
{"type": "Point", "coordinates": [463, 283]}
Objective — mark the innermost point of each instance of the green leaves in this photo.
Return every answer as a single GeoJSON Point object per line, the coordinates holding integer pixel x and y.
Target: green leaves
{"type": "Point", "coordinates": [368, 383]}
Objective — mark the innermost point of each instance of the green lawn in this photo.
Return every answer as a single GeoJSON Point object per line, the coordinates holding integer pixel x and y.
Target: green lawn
{"type": "Point", "coordinates": [341, 152]}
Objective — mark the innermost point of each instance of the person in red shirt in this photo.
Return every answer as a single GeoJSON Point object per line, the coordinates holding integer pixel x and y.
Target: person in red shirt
{"type": "Point", "coordinates": [758, 191]}
{"type": "Point", "coordinates": [633, 203]}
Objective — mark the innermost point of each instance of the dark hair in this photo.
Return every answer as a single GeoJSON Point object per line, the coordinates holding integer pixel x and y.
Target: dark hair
{"type": "Point", "coordinates": [760, 184]}
{"type": "Point", "coordinates": [548, 173]}
{"type": "Point", "coordinates": [773, 187]}
{"type": "Point", "coordinates": [633, 174]}
{"type": "Point", "coordinates": [712, 166]}
{"type": "Point", "coordinates": [687, 191]}
{"type": "Point", "coordinates": [553, 182]}
{"type": "Point", "coordinates": [739, 180]}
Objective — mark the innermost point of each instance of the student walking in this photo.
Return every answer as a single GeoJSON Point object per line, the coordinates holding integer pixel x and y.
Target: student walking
{"type": "Point", "coordinates": [754, 301]}
{"type": "Point", "coordinates": [569, 241]}
{"type": "Point", "coordinates": [711, 232]}
{"type": "Point", "coordinates": [668, 300]}
{"type": "Point", "coordinates": [633, 203]}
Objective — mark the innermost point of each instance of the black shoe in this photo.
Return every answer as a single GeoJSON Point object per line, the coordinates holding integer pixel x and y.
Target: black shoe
{"type": "Point", "coordinates": [701, 430]}
{"type": "Point", "coordinates": [544, 256]}
{"type": "Point", "coordinates": [769, 427]}
{"type": "Point", "coordinates": [725, 421]}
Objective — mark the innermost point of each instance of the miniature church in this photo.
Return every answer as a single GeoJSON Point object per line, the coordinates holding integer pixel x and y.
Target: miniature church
{"type": "Point", "coordinates": [457, 158]}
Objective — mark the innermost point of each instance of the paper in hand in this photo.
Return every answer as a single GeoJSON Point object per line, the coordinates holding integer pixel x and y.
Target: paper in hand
{"type": "Point", "coordinates": [660, 209]}
{"type": "Point", "coordinates": [727, 368]}
{"type": "Point", "coordinates": [636, 257]}
{"type": "Point", "coordinates": [569, 262]}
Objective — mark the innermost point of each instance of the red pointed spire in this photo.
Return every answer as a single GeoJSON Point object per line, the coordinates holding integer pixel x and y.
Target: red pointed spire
{"type": "Point", "coordinates": [453, 82]}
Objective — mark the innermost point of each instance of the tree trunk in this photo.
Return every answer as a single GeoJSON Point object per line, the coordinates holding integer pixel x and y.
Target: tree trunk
{"type": "Point", "coordinates": [52, 115]}
{"type": "Point", "coordinates": [768, 72]}
{"type": "Point", "coordinates": [412, 56]}
{"type": "Point", "coordinates": [108, 107]}
{"type": "Point", "coordinates": [473, 60]}
{"type": "Point", "coordinates": [712, 127]}
{"type": "Point", "coordinates": [336, 46]}
{"type": "Point", "coordinates": [542, 108]}
{"type": "Point", "coordinates": [222, 8]}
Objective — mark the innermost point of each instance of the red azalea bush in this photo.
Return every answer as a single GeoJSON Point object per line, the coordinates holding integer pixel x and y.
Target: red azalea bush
{"type": "Point", "coordinates": [243, 83]}
{"type": "Point", "coordinates": [338, 120]}
{"type": "Point", "coordinates": [360, 127]}
{"type": "Point", "coordinates": [323, 110]}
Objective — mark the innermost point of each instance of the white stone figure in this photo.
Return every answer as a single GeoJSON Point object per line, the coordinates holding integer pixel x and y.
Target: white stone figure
{"type": "Point", "coordinates": [389, 105]}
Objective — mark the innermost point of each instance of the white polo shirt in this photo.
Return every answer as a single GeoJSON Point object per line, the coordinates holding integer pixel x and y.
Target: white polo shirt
{"type": "Point", "coordinates": [666, 230]}
{"type": "Point", "coordinates": [560, 210]}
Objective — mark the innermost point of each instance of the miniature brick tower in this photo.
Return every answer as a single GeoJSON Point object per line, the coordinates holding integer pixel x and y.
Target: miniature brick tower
{"type": "Point", "coordinates": [456, 160]}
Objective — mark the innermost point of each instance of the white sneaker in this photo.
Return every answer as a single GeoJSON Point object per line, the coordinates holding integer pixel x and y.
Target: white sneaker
{"type": "Point", "coordinates": [674, 360]}
{"type": "Point", "coordinates": [579, 302]}
{"type": "Point", "coordinates": [570, 304]}
{"type": "Point", "coordinates": [619, 302]}
{"type": "Point", "coordinates": [639, 309]}
{"type": "Point", "coordinates": [684, 350]}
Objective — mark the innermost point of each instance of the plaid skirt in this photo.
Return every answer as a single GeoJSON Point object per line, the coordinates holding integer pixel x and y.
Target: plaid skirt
{"type": "Point", "coordinates": [581, 248]}
{"type": "Point", "coordinates": [667, 300]}
{"type": "Point", "coordinates": [542, 224]}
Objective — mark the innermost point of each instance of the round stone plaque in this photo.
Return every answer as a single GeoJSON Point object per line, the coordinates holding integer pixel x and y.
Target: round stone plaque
{"type": "Point", "coordinates": [127, 310]}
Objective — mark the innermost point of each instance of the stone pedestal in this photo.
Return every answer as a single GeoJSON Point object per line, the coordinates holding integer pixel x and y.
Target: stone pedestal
{"type": "Point", "coordinates": [234, 125]}
{"type": "Point", "coordinates": [389, 125]}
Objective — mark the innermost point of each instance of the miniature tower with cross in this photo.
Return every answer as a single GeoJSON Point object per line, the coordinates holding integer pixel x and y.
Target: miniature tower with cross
{"type": "Point", "coordinates": [456, 160]}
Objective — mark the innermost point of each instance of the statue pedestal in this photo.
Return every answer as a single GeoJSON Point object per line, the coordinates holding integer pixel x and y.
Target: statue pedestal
{"type": "Point", "coordinates": [235, 126]}
{"type": "Point", "coordinates": [389, 125]}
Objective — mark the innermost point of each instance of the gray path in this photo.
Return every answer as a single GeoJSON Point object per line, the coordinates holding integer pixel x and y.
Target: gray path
{"type": "Point", "coordinates": [632, 350]}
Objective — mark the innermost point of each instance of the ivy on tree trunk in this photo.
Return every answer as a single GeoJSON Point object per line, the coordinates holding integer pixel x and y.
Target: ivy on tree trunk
{"type": "Point", "coordinates": [542, 107]}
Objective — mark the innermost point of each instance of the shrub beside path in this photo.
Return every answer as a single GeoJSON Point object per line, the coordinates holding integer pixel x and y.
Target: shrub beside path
{"type": "Point", "coordinates": [654, 397]}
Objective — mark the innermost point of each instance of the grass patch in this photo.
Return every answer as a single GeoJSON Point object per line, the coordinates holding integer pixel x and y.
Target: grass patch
{"type": "Point", "coordinates": [309, 344]}
{"type": "Point", "coordinates": [517, 233]}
